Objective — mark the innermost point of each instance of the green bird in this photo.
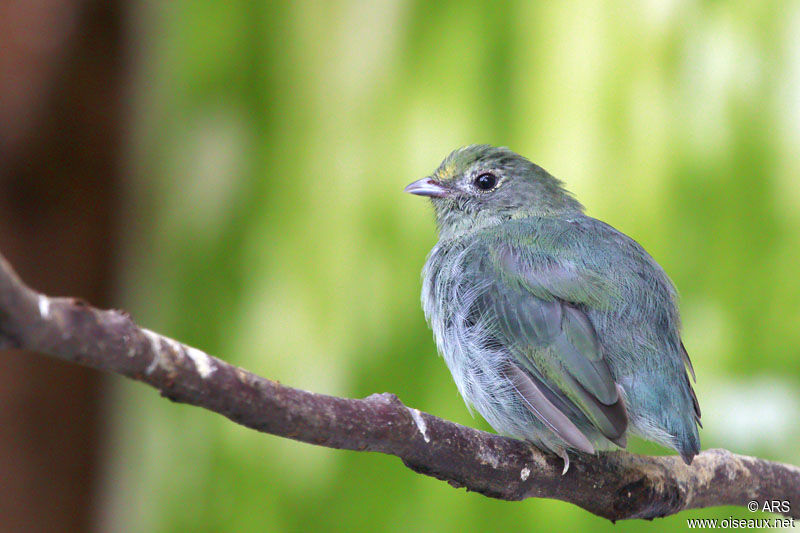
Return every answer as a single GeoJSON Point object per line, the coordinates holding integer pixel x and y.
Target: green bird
{"type": "Point", "coordinates": [558, 329]}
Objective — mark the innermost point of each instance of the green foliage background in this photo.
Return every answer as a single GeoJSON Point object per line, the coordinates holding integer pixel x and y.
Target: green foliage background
{"type": "Point", "coordinates": [268, 226]}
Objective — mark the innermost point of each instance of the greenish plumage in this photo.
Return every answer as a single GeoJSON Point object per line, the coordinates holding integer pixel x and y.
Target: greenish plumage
{"type": "Point", "coordinates": [559, 329]}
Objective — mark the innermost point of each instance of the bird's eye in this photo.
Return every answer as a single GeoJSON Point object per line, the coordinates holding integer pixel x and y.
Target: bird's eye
{"type": "Point", "coordinates": [486, 181]}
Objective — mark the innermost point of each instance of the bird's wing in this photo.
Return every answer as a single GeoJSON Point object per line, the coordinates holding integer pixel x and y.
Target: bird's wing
{"type": "Point", "coordinates": [695, 403]}
{"type": "Point", "coordinates": [557, 365]}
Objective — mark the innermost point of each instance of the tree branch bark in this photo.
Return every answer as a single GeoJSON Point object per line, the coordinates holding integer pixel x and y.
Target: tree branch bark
{"type": "Point", "coordinates": [616, 485]}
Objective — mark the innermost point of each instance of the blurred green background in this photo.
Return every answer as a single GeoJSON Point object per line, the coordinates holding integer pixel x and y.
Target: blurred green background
{"type": "Point", "coordinates": [265, 223]}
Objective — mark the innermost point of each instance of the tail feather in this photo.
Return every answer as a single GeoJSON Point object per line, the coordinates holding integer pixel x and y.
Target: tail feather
{"type": "Point", "coordinates": [689, 448]}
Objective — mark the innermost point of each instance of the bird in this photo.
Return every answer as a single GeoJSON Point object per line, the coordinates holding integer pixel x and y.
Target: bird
{"type": "Point", "coordinates": [557, 328]}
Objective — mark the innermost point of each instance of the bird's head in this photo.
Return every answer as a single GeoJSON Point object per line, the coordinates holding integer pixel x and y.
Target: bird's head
{"type": "Point", "coordinates": [480, 185]}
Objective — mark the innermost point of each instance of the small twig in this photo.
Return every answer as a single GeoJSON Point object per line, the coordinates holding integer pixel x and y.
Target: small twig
{"type": "Point", "coordinates": [615, 485]}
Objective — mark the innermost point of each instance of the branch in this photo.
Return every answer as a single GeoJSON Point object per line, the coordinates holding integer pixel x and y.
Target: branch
{"type": "Point", "coordinates": [616, 485]}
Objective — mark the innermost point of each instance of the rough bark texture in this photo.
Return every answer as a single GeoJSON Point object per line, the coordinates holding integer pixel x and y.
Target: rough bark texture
{"type": "Point", "coordinates": [613, 485]}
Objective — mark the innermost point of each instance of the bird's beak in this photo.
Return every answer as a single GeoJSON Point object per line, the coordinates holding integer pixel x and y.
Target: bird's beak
{"type": "Point", "coordinates": [427, 187]}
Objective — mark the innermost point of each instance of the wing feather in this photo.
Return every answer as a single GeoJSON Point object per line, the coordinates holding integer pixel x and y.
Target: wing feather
{"type": "Point", "coordinates": [537, 402]}
{"type": "Point", "coordinates": [556, 359]}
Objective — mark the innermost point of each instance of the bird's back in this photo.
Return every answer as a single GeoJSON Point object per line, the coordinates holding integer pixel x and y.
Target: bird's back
{"type": "Point", "coordinates": [628, 298]}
